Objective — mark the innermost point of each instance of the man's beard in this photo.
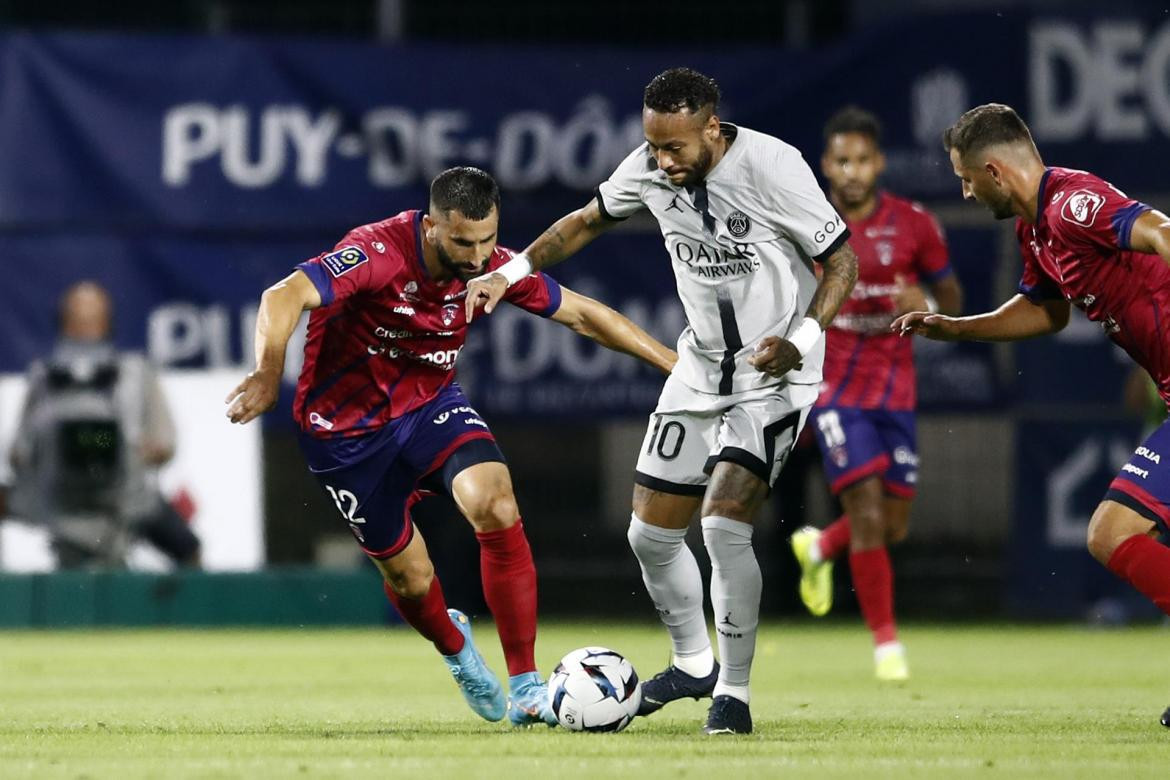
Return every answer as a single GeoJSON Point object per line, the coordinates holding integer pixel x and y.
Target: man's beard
{"type": "Point", "coordinates": [1002, 209]}
{"type": "Point", "coordinates": [453, 268]}
{"type": "Point", "coordinates": [700, 169]}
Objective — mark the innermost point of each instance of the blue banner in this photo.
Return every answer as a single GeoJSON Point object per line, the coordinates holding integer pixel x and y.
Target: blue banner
{"type": "Point", "coordinates": [189, 173]}
{"type": "Point", "coordinates": [130, 132]}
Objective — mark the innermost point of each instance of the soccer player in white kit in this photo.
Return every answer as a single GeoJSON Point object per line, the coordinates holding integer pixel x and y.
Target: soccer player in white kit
{"type": "Point", "coordinates": [744, 221]}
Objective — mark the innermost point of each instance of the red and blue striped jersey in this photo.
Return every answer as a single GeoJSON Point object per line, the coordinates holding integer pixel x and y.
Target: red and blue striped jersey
{"type": "Point", "coordinates": [386, 337]}
{"type": "Point", "coordinates": [866, 365]}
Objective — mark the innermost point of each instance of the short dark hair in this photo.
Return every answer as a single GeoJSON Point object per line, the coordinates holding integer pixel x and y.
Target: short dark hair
{"type": "Point", "coordinates": [470, 191]}
{"type": "Point", "coordinates": [676, 89]}
{"type": "Point", "coordinates": [852, 119]}
{"type": "Point", "coordinates": [984, 126]}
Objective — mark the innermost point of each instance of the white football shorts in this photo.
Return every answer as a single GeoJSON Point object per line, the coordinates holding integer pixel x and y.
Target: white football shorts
{"type": "Point", "coordinates": [691, 431]}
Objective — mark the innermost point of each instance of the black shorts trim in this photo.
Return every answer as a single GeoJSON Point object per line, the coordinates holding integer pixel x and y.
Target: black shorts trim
{"type": "Point", "coordinates": [665, 486]}
{"type": "Point", "coordinates": [740, 457]}
{"type": "Point", "coordinates": [833, 247]}
{"type": "Point", "coordinates": [601, 207]}
{"type": "Point", "coordinates": [465, 456]}
{"type": "Point", "coordinates": [1129, 501]}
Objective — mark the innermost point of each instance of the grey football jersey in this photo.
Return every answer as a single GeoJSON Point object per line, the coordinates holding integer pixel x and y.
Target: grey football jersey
{"type": "Point", "coordinates": [741, 244]}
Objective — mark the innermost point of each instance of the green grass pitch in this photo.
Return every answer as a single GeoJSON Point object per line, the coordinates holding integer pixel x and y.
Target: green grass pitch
{"type": "Point", "coordinates": [996, 701]}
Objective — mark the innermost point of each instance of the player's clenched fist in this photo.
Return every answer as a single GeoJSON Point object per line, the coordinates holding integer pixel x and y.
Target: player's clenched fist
{"type": "Point", "coordinates": [923, 323]}
{"type": "Point", "coordinates": [484, 291]}
{"type": "Point", "coordinates": [252, 397]}
{"type": "Point", "coordinates": [775, 356]}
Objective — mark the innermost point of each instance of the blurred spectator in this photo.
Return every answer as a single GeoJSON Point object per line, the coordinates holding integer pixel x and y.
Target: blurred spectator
{"type": "Point", "coordinates": [94, 430]}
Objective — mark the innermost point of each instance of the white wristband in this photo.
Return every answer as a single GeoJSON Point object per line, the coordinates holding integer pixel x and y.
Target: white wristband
{"type": "Point", "coordinates": [931, 304]}
{"type": "Point", "coordinates": [515, 269]}
{"type": "Point", "coordinates": [806, 335]}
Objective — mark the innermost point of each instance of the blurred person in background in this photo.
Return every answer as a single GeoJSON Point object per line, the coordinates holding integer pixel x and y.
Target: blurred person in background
{"type": "Point", "coordinates": [384, 422]}
{"type": "Point", "coordinates": [1084, 243]}
{"type": "Point", "coordinates": [864, 417]}
{"type": "Point", "coordinates": [94, 430]}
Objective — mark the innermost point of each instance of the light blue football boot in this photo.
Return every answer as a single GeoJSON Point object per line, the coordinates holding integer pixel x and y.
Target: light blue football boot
{"type": "Point", "coordinates": [528, 701]}
{"type": "Point", "coordinates": [479, 685]}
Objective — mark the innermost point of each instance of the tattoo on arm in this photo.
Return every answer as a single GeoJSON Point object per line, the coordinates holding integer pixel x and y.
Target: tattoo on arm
{"type": "Point", "coordinates": [836, 284]}
{"type": "Point", "coordinates": [567, 235]}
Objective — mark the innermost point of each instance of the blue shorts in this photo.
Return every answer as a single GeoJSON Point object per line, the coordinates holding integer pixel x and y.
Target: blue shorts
{"type": "Point", "coordinates": [1143, 484]}
{"type": "Point", "coordinates": [861, 443]}
{"type": "Point", "coordinates": [375, 479]}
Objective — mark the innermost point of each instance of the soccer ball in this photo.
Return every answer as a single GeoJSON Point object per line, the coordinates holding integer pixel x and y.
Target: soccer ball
{"type": "Point", "coordinates": [594, 689]}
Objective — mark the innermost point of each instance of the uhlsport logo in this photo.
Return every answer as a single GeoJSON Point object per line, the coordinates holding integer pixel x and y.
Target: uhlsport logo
{"type": "Point", "coordinates": [1082, 206]}
{"type": "Point", "coordinates": [738, 224]}
{"type": "Point", "coordinates": [344, 260]}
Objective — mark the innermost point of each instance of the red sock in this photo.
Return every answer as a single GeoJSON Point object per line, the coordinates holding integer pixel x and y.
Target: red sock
{"type": "Point", "coordinates": [1145, 564]}
{"type": "Point", "coordinates": [428, 616]}
{"type": "Point", "coordinates": [873, 579]}
{"type": "Point", "coordinates": [834, 539]}
{"type": "Point", "coordinates": [509, 587]}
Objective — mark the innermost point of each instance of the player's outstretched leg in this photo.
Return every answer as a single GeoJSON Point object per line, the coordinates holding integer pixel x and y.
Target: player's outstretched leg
{"type": "Point", "coordinates": [509, 587]}
{"type": "Point", "coordinates": [675, 585]}
{"type": "Point", "coordinates": [479, 685]}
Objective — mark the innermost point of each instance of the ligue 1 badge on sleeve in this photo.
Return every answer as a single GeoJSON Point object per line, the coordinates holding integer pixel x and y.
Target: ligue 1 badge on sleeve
{"type": "Point", "coordinates": [738, 224]}
{"type": "Point", "coordinates": [344, 260]}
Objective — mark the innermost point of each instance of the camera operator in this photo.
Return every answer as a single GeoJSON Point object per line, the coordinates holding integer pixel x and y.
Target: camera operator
{"type": "Point", "coordinates": [94, 430]}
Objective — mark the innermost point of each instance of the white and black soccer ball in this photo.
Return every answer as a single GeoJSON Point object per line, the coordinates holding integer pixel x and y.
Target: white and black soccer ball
{"type": "Point", "coordinates": [594, 689]}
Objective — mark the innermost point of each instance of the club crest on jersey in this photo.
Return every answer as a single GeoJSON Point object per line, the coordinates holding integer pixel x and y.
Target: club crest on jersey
{"type": "Point", "coordinates": [449, 312]}
{"type": "Point", "coordinates": [1081, 207]}
{"type": "Point", "coordinates": [344, 260]}
{"type": "Point", "coordinates": [738, 224]}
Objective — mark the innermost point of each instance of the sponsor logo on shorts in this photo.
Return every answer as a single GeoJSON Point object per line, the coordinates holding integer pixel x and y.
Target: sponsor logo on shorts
{"type": "Point", "coordinates": [407, 310]}
{"type": "Point", "coordinates": [1149, 454]}
{"type": "Point", "coordinates": [1132, 469]}
{"type": "Point", "coordinates": [445, 416]}
{"type": "Point", "coordinates": [904, 456]}
{"type": "Point", "coordinates": [1081, 207]}
{"type": "Point", "coordinates": [475, 421]}
{"type": "Point", "coordinates": [839, 457]}
{"type": "Point", "coordinates": [344, 260]}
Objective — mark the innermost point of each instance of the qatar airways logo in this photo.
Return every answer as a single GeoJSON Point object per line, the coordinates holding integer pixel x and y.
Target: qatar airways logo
{"type": "Point", "coordinates": [715, 262]}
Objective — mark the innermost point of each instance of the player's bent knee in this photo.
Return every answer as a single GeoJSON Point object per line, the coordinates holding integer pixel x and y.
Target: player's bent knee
{"type": "Point", "coordinates": [867, 528]}
{"type": "Point", "coordinates": [412, 581]}
{"type": "Point", "coordinates": [495, 513]}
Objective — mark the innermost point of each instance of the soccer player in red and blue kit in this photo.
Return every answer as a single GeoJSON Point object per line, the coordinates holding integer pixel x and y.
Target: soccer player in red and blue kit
{"type": "Point", "coordinates": [864, 416]}
{"type": "Point", "coordinates": [383, 422]}
{"type": "Point", "coordinates": [1084, 244]}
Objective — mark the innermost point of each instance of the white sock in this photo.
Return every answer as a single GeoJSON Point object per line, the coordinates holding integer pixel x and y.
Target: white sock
{"type": "Point", "coordinates": [887, 649]}
{"type": "Point", "coordinates": [814, 553]}
{"type": "Point", "coordinates": [740, 692]}
{"type": "Point", "coordinates": [736, 585]}
{"type": "Point", "coordinates": [675, 586]}
{"type": "Point", "coordinates": [697, 665]}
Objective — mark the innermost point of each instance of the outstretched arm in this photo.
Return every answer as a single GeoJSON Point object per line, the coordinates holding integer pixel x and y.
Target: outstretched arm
{"type": "Point", "coordinates": [1017, 319]}
{"type": "Point", "coordinates": [612, 330]}
{"type": "Point", "coordinates": [567, 235]}
{"type": "Point", "coordinates": [1151, 233]}
{"type": "Point", "coordinates": [280, 308]}
{"type": "Point", "coordinates": [776, 356]}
